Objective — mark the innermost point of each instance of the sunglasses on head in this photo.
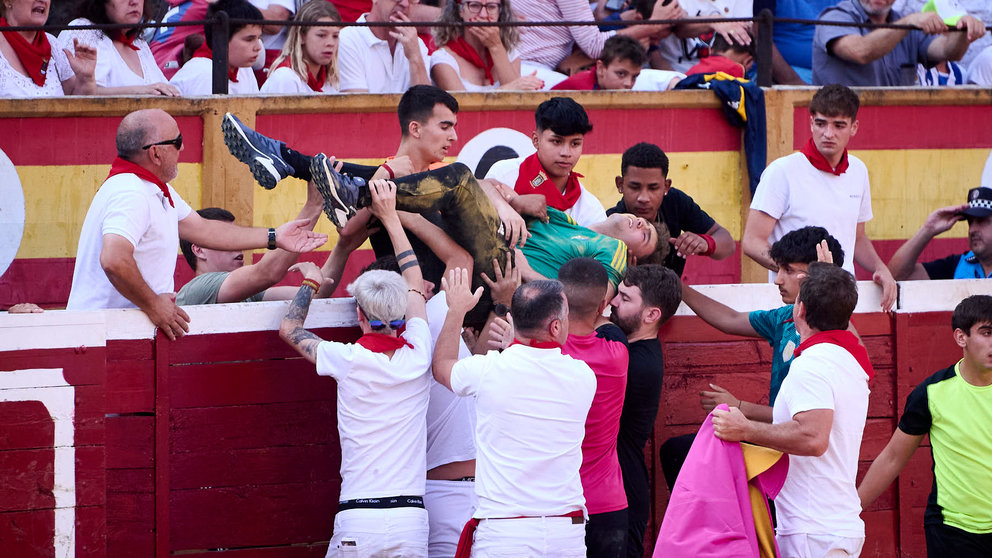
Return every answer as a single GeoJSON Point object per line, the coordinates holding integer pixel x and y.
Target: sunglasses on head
{"type": "Point", "coordinates": [178, 143]}
{"type": "Point", "coordinates": [378, 325]}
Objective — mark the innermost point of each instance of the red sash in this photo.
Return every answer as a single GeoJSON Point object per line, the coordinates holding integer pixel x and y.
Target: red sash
{"type": "Point", "coordinates": [121, 166]}
{"type": "Point", "coordinates": [845, 340]}
{"type": "Point", "coordinates": [533, 180]}
{"type": "Point", "coordinates": [34, 56]}
{"type": "Point", "coordinates": [205, 52]}
{"type": "Point", "coordinates": [382, 343]}
{"type": "Point", "coordinates": [461, 47]}
{"type": "Point", "coordinates": [820, 162]}
{"type": "Point", "coordinates": [465, 540]}
{"type": "Point", "coordinates": [125, 38]}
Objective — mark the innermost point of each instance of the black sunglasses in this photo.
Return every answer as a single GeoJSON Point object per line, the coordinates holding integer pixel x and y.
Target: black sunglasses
{"type": "Point", "coordinates": [178, 142]}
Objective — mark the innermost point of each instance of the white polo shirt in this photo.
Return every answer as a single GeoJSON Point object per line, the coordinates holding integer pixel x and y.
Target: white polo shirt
{"type": "Point", "coordinates": [587, 211]}
{"type": "Point", "coordinates": [364, 62]}
{"type": "Point", "coordinates": [285, 81]}
{"type": "Point", "coordinates": [196, 78]}
{"type": "Point", "coordinates": [137, 210]}
{"type": "Point", "coordinates": [382, 403]}
{"type": "Point", "coordinates": [531, 407]}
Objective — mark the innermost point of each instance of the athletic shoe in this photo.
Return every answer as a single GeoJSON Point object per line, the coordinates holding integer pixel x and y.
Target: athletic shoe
{"type": "Point", "coordinates": [261, 154]}
{"type": "Point", "coordinates": [340, 191]}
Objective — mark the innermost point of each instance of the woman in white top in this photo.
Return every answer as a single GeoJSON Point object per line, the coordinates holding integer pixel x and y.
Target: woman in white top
{"type": "Point", "coordinates": [124, 62]}
{"type": "Point", "coordinates": [308, 63]}
{"type": "Point", "coordinates": [480, 58]}
{"type": "Point", "coordinates": [243, 48]}
{"type": "Point", "coordinates": [31, 62]}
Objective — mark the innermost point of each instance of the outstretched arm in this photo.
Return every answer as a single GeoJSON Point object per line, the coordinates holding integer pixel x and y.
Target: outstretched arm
{"type": "Point", "coordinates": [291, 328]}
{"type": "Point", "coordinates": [446, 249]}
{"type": "Point", "coordinates": [384, 207]}
{"type": "Point", "coordinates": [887, 466]}
{"type": "Point", "coordinates": [294, 236]}
{"type": "Point", "coordinates": [717, 314]}
{"type": "Point", "coordinates": [904, 263]}
{"type": "Point", "coordinates": [457, 285]}
{"type": "Point", "coordinates": [808, 433]}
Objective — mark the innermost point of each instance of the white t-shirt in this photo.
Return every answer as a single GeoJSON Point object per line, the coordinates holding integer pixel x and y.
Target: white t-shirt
{"type": "Point", "coordinates": [382, 403]}
{"type": "Point", "coordinates": [111, 69]}
{"type": "Point", "coordinates": [16, 84]}
{"type": "Point", "coordinates": [137, 210]}
{"type": "Point", "coordinates": [364, 62]}
{"type": "Point", "coordinates": [275, 42]}
{"type": "Point", "coordinates": [450, 419]}
{"type": "Point", "coordinates": [819, 496]}
{"type": "Point", "coordinates": [657, 80]}
{"type": "Point", "coordinates": [684, 53]}
{"type": "Point", "coordinates": [798, 195]}
{"type": "Point", "coordinates": [285, 81]}
{"type": "Point", "coordinates": [980, 70]}
{"type": "Point", "coordinates": [442, 56]}
{"type": "Point", "coordinates": [531, 406]}
{"type": "Point", "coordinates": [196, 78]}
{"type": "Point", "coordinates": [587, 211]}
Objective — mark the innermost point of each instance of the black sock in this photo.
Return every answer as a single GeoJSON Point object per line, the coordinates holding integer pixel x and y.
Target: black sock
{"type": "Point", "coordinates": [297, 160]}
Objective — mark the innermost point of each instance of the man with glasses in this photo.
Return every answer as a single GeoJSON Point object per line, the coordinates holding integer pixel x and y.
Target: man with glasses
{"type": "Point", "coordinates": [127, 247]}
{"type": "Point", "coordinates": [382, 59]}
{"type": "Point", "coordinates": [384, 382]}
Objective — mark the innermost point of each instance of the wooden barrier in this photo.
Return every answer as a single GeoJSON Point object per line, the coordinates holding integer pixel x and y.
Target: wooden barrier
{"type": "Point", "coordinates": [119, 443]}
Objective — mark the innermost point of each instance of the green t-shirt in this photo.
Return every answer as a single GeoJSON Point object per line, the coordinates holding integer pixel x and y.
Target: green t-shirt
{"type": "Point", "coordinates": [203, 289]}
{"type": "Point", "coordinates": [777, 327]}
{"type": "Point", "coordinates": [561, 239]}
{"type": "Point", "coordinates": [958, 417]}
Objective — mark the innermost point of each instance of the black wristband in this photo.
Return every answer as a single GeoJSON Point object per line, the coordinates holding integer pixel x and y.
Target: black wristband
{"type": "Point", "coordinates": [272, 239]}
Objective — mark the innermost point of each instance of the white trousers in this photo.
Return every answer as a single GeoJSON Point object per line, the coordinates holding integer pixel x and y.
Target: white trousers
{"type": "Point", "coordinates": [450, 504]}
{"type": "Point", "coordinates": [819, 546]}
{"type": "Point", "coordinates": [531, 537]}
{"type": "Point", "coordinates": [374, 533]}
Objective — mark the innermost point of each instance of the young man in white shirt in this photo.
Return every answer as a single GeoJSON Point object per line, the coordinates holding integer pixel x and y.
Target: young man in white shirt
{"type": "Point", "coordinates": [382, 59]}
{"type": "Point", "coordinates": [383, 390]}
{"type": "Point", "coordinates": [818, 418]}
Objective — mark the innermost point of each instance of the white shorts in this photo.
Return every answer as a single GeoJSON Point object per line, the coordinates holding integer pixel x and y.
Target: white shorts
{"type": "Point", "coordinates": [531, 537]}
{"type": "Point", "coordinates": [802, 545]}
{"type": "Point", "coordinates": [450, 504]}
{"type": "Point", "coordinates": [375, 533]}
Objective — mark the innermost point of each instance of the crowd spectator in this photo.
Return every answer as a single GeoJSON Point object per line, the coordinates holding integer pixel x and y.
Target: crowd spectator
{"type": "Point", "coordinates": [273, 35]}
{"type": "Point", "coordinates": [689, 43]}
{"type": "Point", "coordinates": [981, 9]}
{"type": "Point", "coordinates": [794, 41]}
{"type": "Point", "coordinates": [731, 58]}
{"type": "Point", "coordinates": [478, 58]}
{"type": "Point", "coordinates": [382, 59]}
{"type": "Point", "coordinates": [546, 48]}
{"type": "Point", "coordinates": [308, 63]}
{"type": "Point", "coordinates": [31, 62]}
{"type": "Point", "coordinates": [127, 247]}
{"type": "Point", "coordinates": [942, 74]}
{"type": "Point", "coordinates": [857, 56]}
{"type": "Point", "coordinates": [974, 264]}
{"type": "Point", "coordinates": [618, 66]}
{"type": "Point", "coordinates": [243, 50]}
{"type": "Point", "coordinates": [821, 185]}
{"type": "Point", "coordinates": [124, 62]}
{"type": "Point", "coordinates": [167, 43]}
{"type": "Point", "coordinates": [647, 192]}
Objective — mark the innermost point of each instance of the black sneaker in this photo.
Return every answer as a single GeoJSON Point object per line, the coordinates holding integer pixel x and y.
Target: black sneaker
{"type": "Point", "coordinates": [340, 191]}
{"type": "Point", "coordinates": [260, 153]}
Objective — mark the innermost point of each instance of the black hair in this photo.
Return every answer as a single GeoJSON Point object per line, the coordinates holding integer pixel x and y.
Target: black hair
{"type": "Point", "coordinates": [563, 116]}
{"type": "Point", "coordinates": [976, 309]}
{"type": "Point", "coordinates": [212, 213]}
{"type": "Point", "coordinates": [646, 156]}
{"type": "Point", "coordinates": [418, 103]}
{"type": "Point", "coordinates": [799, 246]}
{"type": "Point", "coordinates": [236, 9]}
{"type": "Point", "coordinates": [829, 294]}
{"type": "Point", "coordinates": [96, 11]}
{"type": "Point", "coordinates": [835, 100]}
{"type": "Point", "coordinates": [721, 45]}
{"type": "Point", "coordinates": [622, 47]}
{"type": "Point", "coordinates": [585, 282]}
{"type": "Point", "coordinates": [660, 287]}
{"type": "Point", "coordinates": [535, 303]}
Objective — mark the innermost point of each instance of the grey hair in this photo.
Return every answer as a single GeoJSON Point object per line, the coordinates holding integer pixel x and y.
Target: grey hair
{"type": "Point", "coordinates": [451, 13]}
{"type": "Point", "coordinates": [131, 138]}
{"type": "Point", "coordinates": [380, 294]}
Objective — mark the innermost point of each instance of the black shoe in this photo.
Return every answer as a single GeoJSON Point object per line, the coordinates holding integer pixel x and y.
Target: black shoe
{"type": "Point", "coordinates": [260, 153]}
{"type": "Point", "coordinates": [340, 191]}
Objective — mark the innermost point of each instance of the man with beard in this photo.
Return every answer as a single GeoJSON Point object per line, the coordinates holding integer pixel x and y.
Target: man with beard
{"type": "Point", "coordinates": [647, 297]}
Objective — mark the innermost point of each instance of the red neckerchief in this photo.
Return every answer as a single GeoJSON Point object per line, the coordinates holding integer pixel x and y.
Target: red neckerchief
{"type": "Point", "coordinates": [717, 63]}
{"type": "Point", "coordinates": [533, 180]}
{"type": "Point", "coordinates": [382, 343]}
{"type": "Point", "coordinates": [582, 81]}
{"type": "Point", "coordinates": [461, 47]}
{"type": "Point", "coordinates": [537, 344]}
{"type": "Point", "coordinates": [315, 83]}
{"type": "Point", "coordinates": [820, 162]}
{"type": "Point", "coordinates": [120, 166]}
{"type": "Point", "coordinates": [125, 38]}
{"type": "Point", "coordinates": [205, 52]}
{"type": "Point", "coordinates": [34, 56]}
{"type": "Point", "coordinates": [845, 340]}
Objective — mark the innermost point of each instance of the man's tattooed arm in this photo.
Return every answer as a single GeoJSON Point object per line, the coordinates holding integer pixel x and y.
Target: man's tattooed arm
{"type": "Point", "coordinates": [291, 329]}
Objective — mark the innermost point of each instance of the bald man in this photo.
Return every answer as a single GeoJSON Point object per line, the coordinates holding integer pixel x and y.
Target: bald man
{"type": "Point", "coordinates": [127, 247]}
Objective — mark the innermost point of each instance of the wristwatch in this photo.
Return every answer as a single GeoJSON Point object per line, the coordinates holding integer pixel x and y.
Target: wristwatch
{"type": "Point", "coordinates": [272, 239]}
{"type": "Point", "coordinates": [501, 310]}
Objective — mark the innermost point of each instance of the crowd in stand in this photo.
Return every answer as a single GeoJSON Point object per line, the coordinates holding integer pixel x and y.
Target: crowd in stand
{"type": "Point", "coordinates": [949, 47]}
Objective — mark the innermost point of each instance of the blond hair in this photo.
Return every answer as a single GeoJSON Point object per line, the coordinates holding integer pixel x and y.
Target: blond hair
{"type": "Point", "coordinates": [292, 50]}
